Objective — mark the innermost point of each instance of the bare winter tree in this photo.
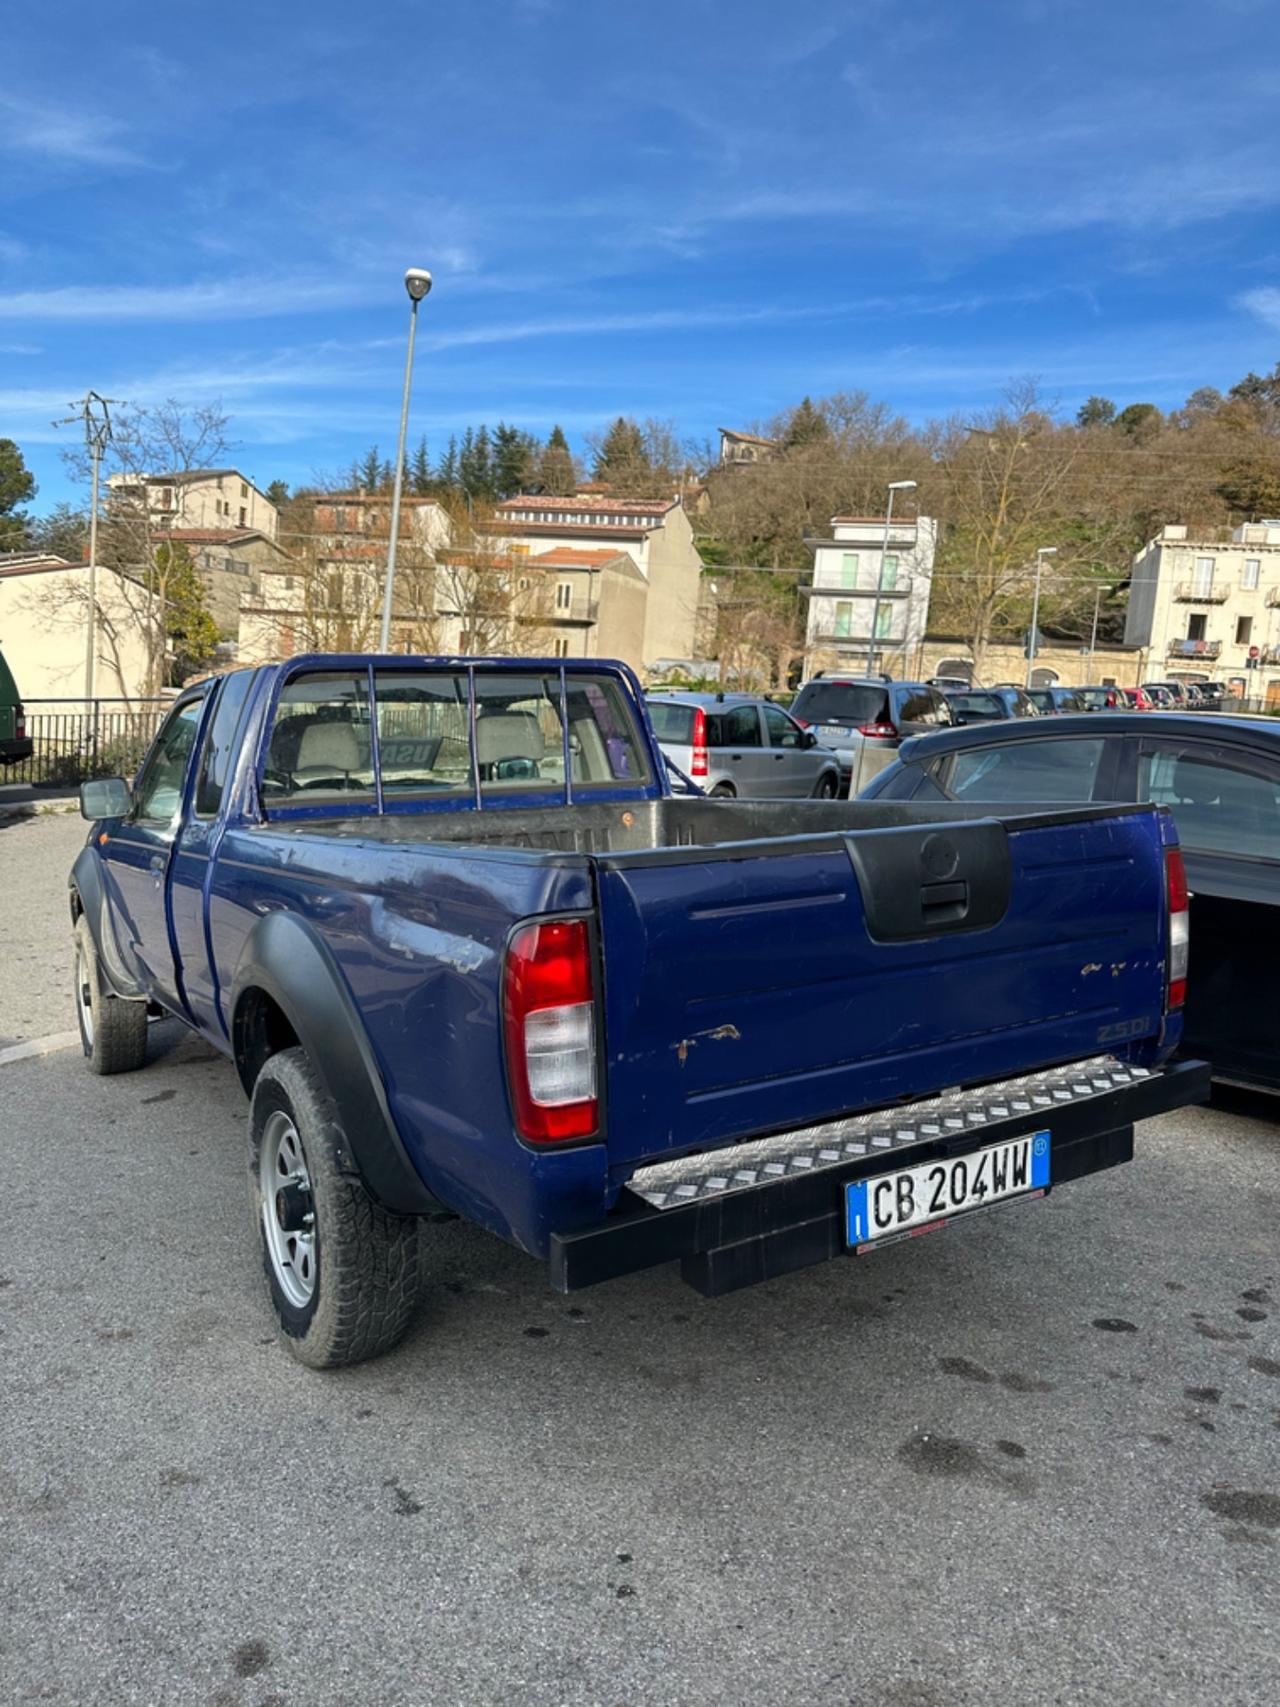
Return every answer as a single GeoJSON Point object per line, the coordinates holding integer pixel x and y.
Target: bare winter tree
{"type": "Point", "coordinates": [155, 590]}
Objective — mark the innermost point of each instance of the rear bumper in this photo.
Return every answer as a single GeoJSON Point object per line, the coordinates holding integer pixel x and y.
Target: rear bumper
{"type": "Point", "coordinates": [12, 752]}
{"type": "Point", "coordinates": [791, 1213]}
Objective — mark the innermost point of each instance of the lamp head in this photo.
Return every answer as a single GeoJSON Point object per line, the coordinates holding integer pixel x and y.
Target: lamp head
{"type": "Point", "coordinates": [417, 281]}
{"type": "Point", "coordinates": [903, 485]}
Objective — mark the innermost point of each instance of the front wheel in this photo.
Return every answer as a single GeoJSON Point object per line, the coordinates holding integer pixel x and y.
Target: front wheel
{"type": "Point", "coordinates": [113, 1031]}
{"type": "Point", "coordinates": [342, 1272]}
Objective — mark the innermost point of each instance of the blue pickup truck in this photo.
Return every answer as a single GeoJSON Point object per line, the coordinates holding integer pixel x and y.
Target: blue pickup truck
{"type": "Point", "coordinates": [471, 956]}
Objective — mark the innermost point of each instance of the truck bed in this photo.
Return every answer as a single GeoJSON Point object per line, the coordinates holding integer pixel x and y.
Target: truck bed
{"type": "Point", "coordinates": [677, 822]}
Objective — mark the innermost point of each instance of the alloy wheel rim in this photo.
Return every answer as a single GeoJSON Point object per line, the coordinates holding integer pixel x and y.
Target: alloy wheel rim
{"type": "Point", "coordinates": [288, 1210]}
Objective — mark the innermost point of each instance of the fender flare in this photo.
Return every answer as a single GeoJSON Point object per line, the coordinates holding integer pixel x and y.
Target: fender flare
{"type": "Point", "coordinates": [285, 959]}
{"type": "Point", "coordinates": [88, 894]}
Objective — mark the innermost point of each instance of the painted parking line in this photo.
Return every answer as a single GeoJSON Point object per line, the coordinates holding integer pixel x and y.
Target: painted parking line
{"type": "Point", "coordinates": [39, 1046]}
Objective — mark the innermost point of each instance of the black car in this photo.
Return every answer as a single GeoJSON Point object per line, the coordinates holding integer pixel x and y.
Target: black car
{"type": "Point", "coordinates": [1219, 776]}
{"type": "Point", "coordinates": [991, 705]}
{"type": "Point", "coordinates": [1053, 701]}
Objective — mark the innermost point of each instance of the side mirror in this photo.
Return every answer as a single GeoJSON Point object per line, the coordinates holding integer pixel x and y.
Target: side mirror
{"type": "Point", "coordinates": [958, 718]}
{"type": "Point", "coordinates": [808, 739]}
{"type": "Point", "coordinates": [105, 797]}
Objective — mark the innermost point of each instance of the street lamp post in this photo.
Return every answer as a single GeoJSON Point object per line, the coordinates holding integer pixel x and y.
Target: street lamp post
{"type": "Point", "coordinates": [894, 486]}
{"type": "Point", "coordinates": [1041, 554]}
{"type": "Point", "coordinates": [417, 281]}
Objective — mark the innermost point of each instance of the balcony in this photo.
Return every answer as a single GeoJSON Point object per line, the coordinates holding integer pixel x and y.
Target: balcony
{"type": "Point", "coordinates": [1271, 654]}
{"type": "Point", "coordinates": [1182, 648]}
{"type": "Point", "coordinates": [859, 642]}
{"type": "Point", "coordinates": [898, 592]}
{"type": "Point", "coordinates": [1273, 597]}
{"type": "Point", "coordinates": [1196, 593]}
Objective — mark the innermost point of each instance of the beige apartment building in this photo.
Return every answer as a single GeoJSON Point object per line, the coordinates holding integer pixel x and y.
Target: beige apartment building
{"type": "Point", "coordinates": [200, 498]}
{"type": "Point", "coordinates": [44, 611]}
{"type": "Point", "coordinates": [657, 537]}
{"type": "Point", "coordinates": [851, 588]}
{"type": "Point", "coordinates": [1208, 609]}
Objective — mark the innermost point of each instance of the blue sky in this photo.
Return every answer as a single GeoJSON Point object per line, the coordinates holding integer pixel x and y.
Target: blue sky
{"type": "Point", "coordinates": [697, 211]}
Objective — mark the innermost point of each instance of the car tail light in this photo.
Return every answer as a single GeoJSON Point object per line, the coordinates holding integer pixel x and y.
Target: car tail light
{"type": "Point", "coordinates": [699, 765]}
{"type": "Point", "coordinates": [800, 720]}
{"type": "Point", "coordinates": [549, 1017]}
{"type": "Point", "coordinates": [878, 731]}
{"type": "Point", "coordinates": [20, 722]}
{"type": "Point", "coordinates": [1179, 926]}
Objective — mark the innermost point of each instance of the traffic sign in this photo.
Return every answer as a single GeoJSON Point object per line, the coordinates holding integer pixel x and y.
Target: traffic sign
{"type": "Point", "coordinates": [1255, 652]}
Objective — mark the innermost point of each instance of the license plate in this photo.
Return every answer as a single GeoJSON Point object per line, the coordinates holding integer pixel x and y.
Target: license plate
{"type": "Point", "coordinates": [833, 731]}
{"type": "Point", "coordinates": [916, 1200]}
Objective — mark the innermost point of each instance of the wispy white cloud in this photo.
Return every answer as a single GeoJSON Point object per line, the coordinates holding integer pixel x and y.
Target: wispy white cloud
{"type": "Point", "coordinates": [245, 298]}
{"type": "Point", "coordinates": [65, 134]}
{"type": "Point", "coordinates": [1264, 303]}
{"type": "Point", "coordinates": [20, 350]}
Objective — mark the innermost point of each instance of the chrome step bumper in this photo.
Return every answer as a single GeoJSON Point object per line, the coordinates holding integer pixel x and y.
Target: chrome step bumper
{"type": "Point", "coordinates": [808, 1149]}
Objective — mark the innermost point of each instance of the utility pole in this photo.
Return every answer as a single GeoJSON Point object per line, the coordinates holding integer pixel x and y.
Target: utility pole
{"type": "Point", "coordinates": [1093, 638]}
{"type": "Point", "coordinates": [1041, 554]}
{"type": "Point", "coordinates": [93, 412]}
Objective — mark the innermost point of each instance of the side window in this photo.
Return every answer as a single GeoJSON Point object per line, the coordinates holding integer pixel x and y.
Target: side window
{"type": "Point", "coordinates": [916, 708]}
{"type": "Point", "coordinates": [741, 726]}
{"type": "Point", "coordinates": [424, 737]}
{"type": "Point", "coordinates": [781, 730]}
{"type": "Point", "coordinates": [321, 747]}
{"type": "Point", "coordinates": [1218, 805]}
{"type": "Point", "coordinates": [219, 744]}
{"type": "Point", "coordinates": [157, 793]}
{"type": "Point", "coordinates": [1025, 771]}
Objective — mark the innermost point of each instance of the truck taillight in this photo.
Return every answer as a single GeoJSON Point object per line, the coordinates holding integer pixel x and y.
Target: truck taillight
{"type": "Point", "coordinates": [1179, 926]}
{"type": "Point", "coordinates": [878, 731]}
{"type": "Point", "coordinates": [549, 1018]}
{"type": "Point", "coordinates": [699, 765]}
{"type": "Point", "coordinates": [20, 722]}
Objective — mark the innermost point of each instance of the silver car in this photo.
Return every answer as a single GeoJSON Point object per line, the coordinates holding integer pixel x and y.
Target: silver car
{"type": "Point", "coordinates": [737, 745]}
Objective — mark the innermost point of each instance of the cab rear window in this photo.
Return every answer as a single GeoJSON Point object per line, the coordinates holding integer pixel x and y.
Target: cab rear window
{"type": "Point", "coordinates": [841, 702]}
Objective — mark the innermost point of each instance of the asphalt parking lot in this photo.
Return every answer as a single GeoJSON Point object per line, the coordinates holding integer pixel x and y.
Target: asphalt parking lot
{"type": "Point", "coordinates": [1034, 1459]}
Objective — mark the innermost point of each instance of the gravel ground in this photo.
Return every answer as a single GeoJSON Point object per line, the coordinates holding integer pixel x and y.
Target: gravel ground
{"type": "Point", "coordinates": [36, 855]}
{"type": "Point", "coordinates": [1034, 1459]}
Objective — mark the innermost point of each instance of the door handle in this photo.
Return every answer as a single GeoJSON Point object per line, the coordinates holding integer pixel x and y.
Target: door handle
{"type": "Point", "coordinates": [778, 758]}
{"type": "Point", "coordinates": [736, 757]}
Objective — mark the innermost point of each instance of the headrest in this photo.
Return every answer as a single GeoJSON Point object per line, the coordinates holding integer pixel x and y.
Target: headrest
{"type": "Point", "coordinates": [508, 735]}
{"type": "Point", "coordinates": [330, 746]}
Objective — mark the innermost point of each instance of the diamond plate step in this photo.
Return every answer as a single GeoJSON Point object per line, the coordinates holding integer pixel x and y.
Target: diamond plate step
{"type": "Point", "coordinates": [741, 1166]}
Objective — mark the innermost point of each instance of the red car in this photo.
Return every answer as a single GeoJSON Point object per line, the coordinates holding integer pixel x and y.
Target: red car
{"type": "Point", "coordinates": [1139, 699]}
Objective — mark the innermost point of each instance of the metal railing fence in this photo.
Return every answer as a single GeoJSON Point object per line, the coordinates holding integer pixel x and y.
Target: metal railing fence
{"type": "Point", "coordinates": [75, 739]}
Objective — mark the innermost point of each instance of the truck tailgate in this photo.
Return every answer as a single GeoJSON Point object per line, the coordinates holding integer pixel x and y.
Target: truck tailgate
{"type": "Point", "coordinates": [758, 986]}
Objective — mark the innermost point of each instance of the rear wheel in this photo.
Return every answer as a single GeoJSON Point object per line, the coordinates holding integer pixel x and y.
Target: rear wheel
{"type": "Point", "coordinates": [827, 788]}
{"type": "Point", "coordinates": [113, 1031]}
{"type": "Point", "coordinates": [342, 1272]}
{"type": "Point", "coordinates": [723, 791]}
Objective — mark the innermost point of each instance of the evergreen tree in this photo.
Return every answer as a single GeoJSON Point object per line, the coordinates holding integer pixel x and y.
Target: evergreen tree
{"type": "Point", "coordinates": [386, 476]}
{"type": "Point", "coordinates": [278, 492]}
{"type": "Point", "coordinates": [515, 455]}
{"type": "Point", "coordinates": [191, 633]}
{"type": "Point", "coordinates": [622, 454]}
{"type": "Point", "coordinates": [448, 472]}
{"type": "Point", "coordinates": [557, 472]}
{"type": "Point", "coordinates": [368, 471]}
{"type": "Point", "coordinates": [419, 478]}
{"type": "Point", "coordinates": [17, 485]}
{"type": "Point", "coordinates": [806, 427]}
{"type": "Point", "coordinates": [1096, 412]}
{"type": "Point", "coordinates": [475, 463]}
